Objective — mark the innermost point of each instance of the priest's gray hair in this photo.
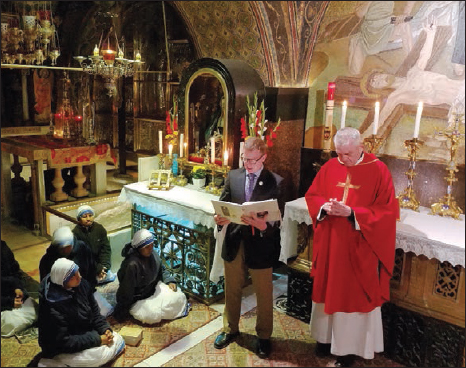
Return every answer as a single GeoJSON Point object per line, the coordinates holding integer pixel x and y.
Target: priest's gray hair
{"type": "Point", "coordinates": [347, 136]}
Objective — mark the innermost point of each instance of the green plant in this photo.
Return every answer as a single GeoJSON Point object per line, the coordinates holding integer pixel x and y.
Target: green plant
{"type": "Point", "coordinates": [198, 172]}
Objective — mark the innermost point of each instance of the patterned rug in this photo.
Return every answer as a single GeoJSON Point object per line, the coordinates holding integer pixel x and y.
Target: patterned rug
{"type": "Point", "coordinates": [291, 343]}
{"type": "Point", "coordinates": [22, 350]}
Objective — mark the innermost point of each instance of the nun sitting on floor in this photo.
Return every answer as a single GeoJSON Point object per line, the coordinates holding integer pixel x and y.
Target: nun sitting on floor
{"type": "Point", "coordinates": [72, 332]}
{"type": "Point", "coordinates": [147, 291]}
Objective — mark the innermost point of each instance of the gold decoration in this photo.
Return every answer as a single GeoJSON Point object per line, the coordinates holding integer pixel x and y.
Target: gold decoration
{"type": "Point", "coordinates": [407, 199]}
{"type": "Point", "coordinates": [446, 206]}
{"type": "Point", "coordinates": [372, 143]}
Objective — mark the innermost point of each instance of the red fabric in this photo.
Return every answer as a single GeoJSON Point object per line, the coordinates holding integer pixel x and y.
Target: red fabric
{"type": "Point", "coordinates": [345, 261]}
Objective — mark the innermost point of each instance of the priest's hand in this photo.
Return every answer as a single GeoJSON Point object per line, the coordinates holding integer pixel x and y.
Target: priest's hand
{"type": "Point", "coordinates": [336, 208]}
{"type": "Point", "coordinates": [172, 286]}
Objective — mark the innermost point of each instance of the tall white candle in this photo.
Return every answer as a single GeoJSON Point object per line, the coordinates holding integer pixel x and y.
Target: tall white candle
{"type": "Point", "coordinates": [376, 118]}
{"type": "Point", "coordinates": [417, 122]}
{"type": "Point", "coordinates": [225, 158]}
{"type": "Point", "coordinates": [212, 150]}
{"type": "Point", "coordinates": [343, 114]}
{"type": "Point", "coordinates": [160, 141]}
{"type": "Point", "coordinates": [181, 144]}
{"type": "Point", "coordinates": [170, 150]}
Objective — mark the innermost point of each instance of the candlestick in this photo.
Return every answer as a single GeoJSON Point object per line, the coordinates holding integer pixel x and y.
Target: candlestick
{"type": "Point", "coordinates": [181, 144]}
{"type": "Point", "coordinates": [185, 149]}
{"type": "Point", "coordinates": [343, 114]}
{"type": "Point", "coordinates": [407, 199]}
{"type": "Point", "coordinates": [376, 118]}
{"type": "Point", "coordinates": [170, 150]}
{"type": "Point", "coordinates": [417, 122]}
{"type": "Point", "coordinates": [225, 158]}
{"type": "Point", "coordinates": [160, 142]}
{"type": "Point", "coordinates": [212, 150]}
{"type": "Point", "coordinates": [96, 51]}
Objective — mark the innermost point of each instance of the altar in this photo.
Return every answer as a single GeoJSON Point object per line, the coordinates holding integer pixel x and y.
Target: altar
{"type": "Point", "coordinates": [41, 152]}
{"type": "Point", "coordinates": [425, 319]}
{"type": "Point", "coordinates": [182, 220]}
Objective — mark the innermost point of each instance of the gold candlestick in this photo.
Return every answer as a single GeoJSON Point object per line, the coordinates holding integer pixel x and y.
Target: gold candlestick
{"type": "Point", "coordinates": [212, 188]}
{"type": "Point", "coordinates": [181, 180]}
{"type": "Point", "coordinates": [372, 143]}
{"type": "Point", "coordinates": [446, 206]}
{"type": "Point", "coordinates": [161, 160]}
{"type": "Point", "coordinates": [407, 199]}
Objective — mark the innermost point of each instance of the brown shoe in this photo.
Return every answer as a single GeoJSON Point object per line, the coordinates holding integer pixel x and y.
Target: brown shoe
{"type": "Point", "coordinates": [264, 348]}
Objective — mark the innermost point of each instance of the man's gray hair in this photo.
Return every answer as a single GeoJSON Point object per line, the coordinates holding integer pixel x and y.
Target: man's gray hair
{"type": "Point", "coordinates": [347, 136]}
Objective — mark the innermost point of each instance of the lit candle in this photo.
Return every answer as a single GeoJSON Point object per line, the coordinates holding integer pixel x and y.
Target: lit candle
{"type": "Point", "coordinates": [376, 118]}
{"type": "Point", "coordinates": [225, 158]}
{"type": "Point", "coordinates": [181, 144]}
{"type": "Point", "coordinates": [417, 122]}
{"type": "Point", "coordinates": [96, 51]}
{"type": "Point", "coordinates": [170, 150]}
{"type": "Point", "coordinates": [160, 142]}
{"type": "Point", "coordinates": [331, 91]}
{"type": "Point", "coordinates": [212, 150]}
{"type": "Point", "coordinates": [186, 149]}
{"type": "Point", "coordinates": [343, 114]}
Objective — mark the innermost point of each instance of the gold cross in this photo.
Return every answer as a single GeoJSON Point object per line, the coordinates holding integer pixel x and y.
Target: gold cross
{"type": "Point", "coordinates": [347, 185]}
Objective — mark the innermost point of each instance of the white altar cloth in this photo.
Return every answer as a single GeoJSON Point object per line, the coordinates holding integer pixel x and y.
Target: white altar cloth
{"type": "Point", "coordinates": [433, 236]}
{"type": "Point", "coordinates": [181, 202]}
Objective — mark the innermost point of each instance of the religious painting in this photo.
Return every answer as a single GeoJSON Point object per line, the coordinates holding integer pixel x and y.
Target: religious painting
{"type": "Point", "coordinates": [397, 53]}
{"type": "Point", "coordinates": [43, 85]}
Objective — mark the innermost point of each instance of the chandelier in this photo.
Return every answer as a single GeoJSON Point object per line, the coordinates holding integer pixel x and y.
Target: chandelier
{"type": "Point", "coordinates": [108, 58]}
{"type": "Point", "coordinates": [29, 35]}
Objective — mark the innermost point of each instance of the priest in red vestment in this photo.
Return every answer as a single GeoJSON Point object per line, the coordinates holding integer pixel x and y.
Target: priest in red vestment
{"type": "Point", "coordinates": [354, 210]}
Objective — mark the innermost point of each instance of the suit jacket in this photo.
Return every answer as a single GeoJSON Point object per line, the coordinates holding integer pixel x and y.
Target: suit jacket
{"type": "Point", "coordinates": [261, 249]}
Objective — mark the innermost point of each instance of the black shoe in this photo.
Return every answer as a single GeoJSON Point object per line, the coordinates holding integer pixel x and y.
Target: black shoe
{"type": "Point", "coordinates": [264, 348]}
{"type": "Point", "coordinates": [322, 350]}
{"type": "Point", "coordinates": [223, 339]}
{"type": "Point", "coordinates": [345, 361]}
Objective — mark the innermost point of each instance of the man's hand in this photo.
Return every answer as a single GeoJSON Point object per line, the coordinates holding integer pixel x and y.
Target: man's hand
{"type": "Point", "coordinates": [336, 208]}
{"type": "Point", "coordinates": [220, 220]}
{"type": "Point", "coordinates": [253, 220]}
{"type": "Point", "coordinates": [18, 298]}
{"type": "Point", "coordinates": [106, 338]}
{"type": "Point", "coordinates": [172, 286]}
{"type": "Point", "coordinates": [102, 275]}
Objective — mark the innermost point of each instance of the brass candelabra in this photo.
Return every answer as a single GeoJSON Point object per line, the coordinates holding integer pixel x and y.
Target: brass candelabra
{"type": "Point", "coordinates": [212, 188]}
{"type": "Point", "coordinates": [407, 199]}
{"type": "Point", "coordinates": [372, 143]}
{"type": "Point", "coordinates": [181, 180]}
{"type": "Point", "coordinates": [446, 206]}
{"type": "Point", "coordinates": [161, 160]}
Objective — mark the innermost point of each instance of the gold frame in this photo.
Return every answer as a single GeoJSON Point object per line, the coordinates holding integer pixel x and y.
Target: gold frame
{"type": "Point", "coordinates": [156, 182]}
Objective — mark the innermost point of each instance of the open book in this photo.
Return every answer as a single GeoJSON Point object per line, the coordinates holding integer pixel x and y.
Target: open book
{"type": "Point", "coordinates": [233, 211]}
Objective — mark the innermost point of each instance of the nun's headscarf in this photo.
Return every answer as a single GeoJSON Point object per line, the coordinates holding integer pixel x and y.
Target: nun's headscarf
{"type": "Point", "coordinates": [62, 237]}
{"type": "Point", "coordinates": [62, 271]}
{"type": "Point", "coordinates": [141, 238]}
{"type": "Point", "coordinates": [83, 210]}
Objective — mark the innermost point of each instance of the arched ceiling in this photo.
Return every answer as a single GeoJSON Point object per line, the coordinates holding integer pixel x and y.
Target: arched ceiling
{"type": "Point", "coordinates": [275, 37]}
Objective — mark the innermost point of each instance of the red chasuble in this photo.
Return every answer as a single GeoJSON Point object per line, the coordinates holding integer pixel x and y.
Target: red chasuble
{"type": "Point", "coordinates": [352, 268]}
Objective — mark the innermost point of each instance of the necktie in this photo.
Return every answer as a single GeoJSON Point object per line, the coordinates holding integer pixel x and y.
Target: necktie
{"type": "Point", "coordinates": [250, 186]}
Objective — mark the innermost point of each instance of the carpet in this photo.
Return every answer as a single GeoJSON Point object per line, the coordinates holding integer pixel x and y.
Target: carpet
{"type": "Point", "coordinates": [291, 343]}
{"type": "Point", "coordinates": [22, 350]}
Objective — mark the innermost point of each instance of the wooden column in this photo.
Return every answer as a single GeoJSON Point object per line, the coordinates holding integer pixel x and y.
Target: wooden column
{"type": "Point", "coordinates": [79, 179]}
{"type": "Point", "coordinates": [38, 195]}
{"type": "Point", "coordinates": [58, 195]}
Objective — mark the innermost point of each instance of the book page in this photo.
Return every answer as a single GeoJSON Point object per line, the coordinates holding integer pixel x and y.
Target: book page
{"type": "Point", "coordinates": [234, 211]}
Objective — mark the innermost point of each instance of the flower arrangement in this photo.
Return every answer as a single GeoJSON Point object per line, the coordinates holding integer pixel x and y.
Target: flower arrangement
{"type": "Point", "coordinates": [198, 172]}
{"type": "Point", "coordinates": [254, 123]}
{"type": "Point", "coordinates": [171, 121]}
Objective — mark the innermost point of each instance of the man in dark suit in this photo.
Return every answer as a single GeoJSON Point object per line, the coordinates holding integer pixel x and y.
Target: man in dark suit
{"type": "Point", "coordinates": [253, 247]}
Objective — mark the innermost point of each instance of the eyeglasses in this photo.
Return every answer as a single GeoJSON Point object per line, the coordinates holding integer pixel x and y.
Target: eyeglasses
{"type": "Point", "coordinates": [250, 160]}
